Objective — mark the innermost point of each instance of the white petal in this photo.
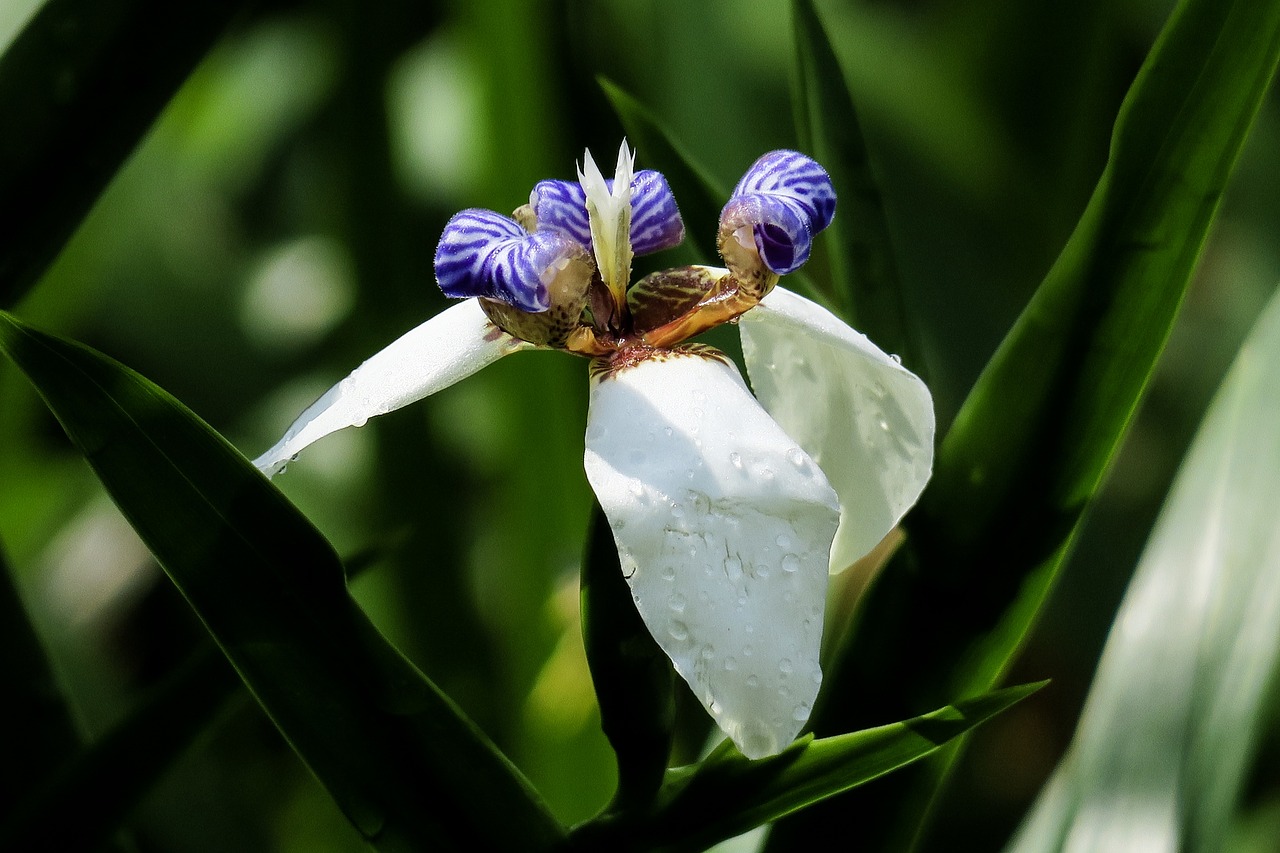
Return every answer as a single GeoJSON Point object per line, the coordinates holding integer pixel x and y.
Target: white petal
{"type": "Point", "coordinates": [447, 348]}
{"type": "Point", "coordinates": [866, 419]}
{"type": "Point", "coordinates": [723, 525]}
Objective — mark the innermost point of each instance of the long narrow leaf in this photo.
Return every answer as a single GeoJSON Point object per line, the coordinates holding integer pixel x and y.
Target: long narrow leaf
{"type": "Point", "coordinates": [1163, 746]}
{"type": "Point", "coordinates": [863, 267]}
{"type": "Point", "coordinates": [79, 87]}
{"type": "Point", "coordinates": [727, 795]}
{"type": "Point", "coordinates": [399, 758]}
{"type": "Point", "coordinates": [1032, 441]}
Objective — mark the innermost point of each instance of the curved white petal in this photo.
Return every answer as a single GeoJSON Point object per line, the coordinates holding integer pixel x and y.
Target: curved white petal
{"type": "Point", "coordinates": [445, 349]}
{"type": "Point", "coordinates": [866, 419]}
{"type": "Point", "coordinates": [723, 525]}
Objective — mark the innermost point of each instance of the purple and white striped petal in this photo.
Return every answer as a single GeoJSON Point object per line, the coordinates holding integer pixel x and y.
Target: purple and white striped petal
{"type": "Point", "coordinates": [482, 253]}
{"type": "Point", "coordinates": [786, 197]}
{"type": "Point", "coordinates": [655, 220]}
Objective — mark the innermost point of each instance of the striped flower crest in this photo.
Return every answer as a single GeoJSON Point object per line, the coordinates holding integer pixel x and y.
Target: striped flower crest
{"type": "Point", "coordinates": [729, 504]}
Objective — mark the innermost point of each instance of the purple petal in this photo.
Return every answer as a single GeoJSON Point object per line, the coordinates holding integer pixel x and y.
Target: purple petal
{"type": "Point", "coordinates": [482, 253]}
{"type": "Point", "coordinates": [787, 197]}
{"type": "Point", "coordinates": [655, 219]}
{"type": "Point", "coordinates": [561, 206]}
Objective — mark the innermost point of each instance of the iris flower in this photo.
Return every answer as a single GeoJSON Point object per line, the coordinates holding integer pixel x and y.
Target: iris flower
{"type": "Point", "coordinates": [728, 509]}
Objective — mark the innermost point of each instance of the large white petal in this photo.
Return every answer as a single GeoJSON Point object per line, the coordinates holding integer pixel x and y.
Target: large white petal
{"type": "Point", "coordinates": [866, 419]}
{"type": "Point", "coordinates": [445, 349]}
{"type": "Point", "coordinates": [723, 525]}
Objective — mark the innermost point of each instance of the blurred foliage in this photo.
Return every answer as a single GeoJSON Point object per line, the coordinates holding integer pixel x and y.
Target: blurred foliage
{"type": "Point", "coordinates": [275, 225]}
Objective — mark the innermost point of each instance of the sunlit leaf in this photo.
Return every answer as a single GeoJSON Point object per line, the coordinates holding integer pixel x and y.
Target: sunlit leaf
{"type": "Point", "coordinates": [728, 794]}
{"type": "Point", "coordinates": [79, 88]}
{"type": "Point", "coordinates": [405, 766]}
{"type": "Point", "coordinates": [1164, 745]}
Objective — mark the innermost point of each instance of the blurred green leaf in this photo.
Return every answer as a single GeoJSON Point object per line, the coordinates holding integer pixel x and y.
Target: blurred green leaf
{"type": "Point", "coordinates": [1033, 439]}
{"type": "Point", "coordinates": [727, 794]}
{"type": "Point", "coordinates": [36, 716]}
{"type": "Point", "coordinates": [405, 766]}
{"type": "Point", "coordinates": [863, 268]}
{"type": "Point", "coordinates": [699, 195]}
{"type": "Point", "coordinates": [633, 679]}
{"type": "Point", "coordinates": [79, 88]}
{"type": "Point", "coordinates": [1164, 745]}
{"type": "Point", "coordinates": [104, 782]}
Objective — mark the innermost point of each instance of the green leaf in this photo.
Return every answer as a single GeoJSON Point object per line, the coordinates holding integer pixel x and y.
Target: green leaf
{"type": "Point", "coordinates": [38, 723]}
{"type": "Point", "coordinates": [401, 761]}
{"type": "Point", "coordinates": [699, 195]}
{"type": "Point", "coordinates": [1033, 439]}
{"type": "Point", "coordinates": [1164, 744]}
{"type": "Point", "coordinates": [103, 783]}
{"type": "Point", "coordinates": [83, 82]}
{"type": "Point", "coordinates": [863, 267]}
{"type": "Point", "coordinates": [634, 680]}
{"type": "Point", "coordinates": [727, 794]}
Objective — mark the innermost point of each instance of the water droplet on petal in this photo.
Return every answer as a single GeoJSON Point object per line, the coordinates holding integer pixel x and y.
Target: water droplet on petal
{"type": "Point", "coordinates": [790, 563]}
{"type": "Point", "coordinates": [730, 664]}
{"type": "Point", "coordinates": [783, 540]}
{"type": "Point", "coordinates": [677, 602]}
{"type": "Point", "coordinates": [708, 652]}
{"type": "Point", "coordinates": [677, 630]}
{"type": "Point", "coordinates": [668, 431]}
{"type": "Point", "coordinates": [747, 651]}
{"type": "Point", "coordinates": [753, 681]}
{"type": "Point", "coordinates": [735, 459]}
{"type": "Point", "coordinates": [801, 713]}
{"type": "Point", "coordinates": [668, 573]}
{"type": "Point", "coordinates": [636, 487]}
{"type": "Point", "coordinates": [796, 457]}
{"type": "Point", "coordinates": [762, 570]}
{"type": "Point", "coordinates": [785, 666]}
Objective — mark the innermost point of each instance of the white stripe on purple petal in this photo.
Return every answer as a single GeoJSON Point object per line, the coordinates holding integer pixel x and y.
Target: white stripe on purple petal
{"type": "Point", "coordinates": [788, 198]}
{"type": "Point", "coordinates": [482, 253]}
{"type": "Point", "coordinates": [561, 206]}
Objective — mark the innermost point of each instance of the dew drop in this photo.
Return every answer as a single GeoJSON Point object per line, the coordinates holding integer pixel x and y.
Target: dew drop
{"type": "Point", "coordinates": [896, 358]}
{"type": "Point", "coordinates": [785, 666]}
{"type": "Point", "coordinates": [669, 573]}
{"type": "Point", "coordinates": [677, 630]}
{"type": "Point", "coordinates": [636, 487]}
{"type": "Point", "coordinates": [359, 422]}
{"type": "Point", "coordinates": [801, 713]}
{"type": "Point", "coordinates": [747, 651]}
{"type": "Point", "coordinates": [753, 681]}
{"type": "Point", "coordinates": [884, 425]}
{"type": "Point", "coordinates": [733, 568]}
{"type": "Point", "coordinates": [784, 691]}
{"type": "Point", "coordinates": [730, 664]}
{"type": "Point", "coordinates": [708, 652]}
{"type": "Point", "coordinates": [783, 540]}
{"type": "Point", "coordinates": [668, 431]}
{"type": "Point", "coordinates": [677, 603]}
{"type": "Point", "coordinates": [762, 570]}
{"type": "Point", "coordinates": [749, 628]}
{"type": "Point", "coordinates": [790, 563]}
{"type": "Point", "coordinates": [766, 472]}
{"type": "Point", "coordinates": [796, 457]}
{"type": "Point", "coordinates": [735, 459]}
